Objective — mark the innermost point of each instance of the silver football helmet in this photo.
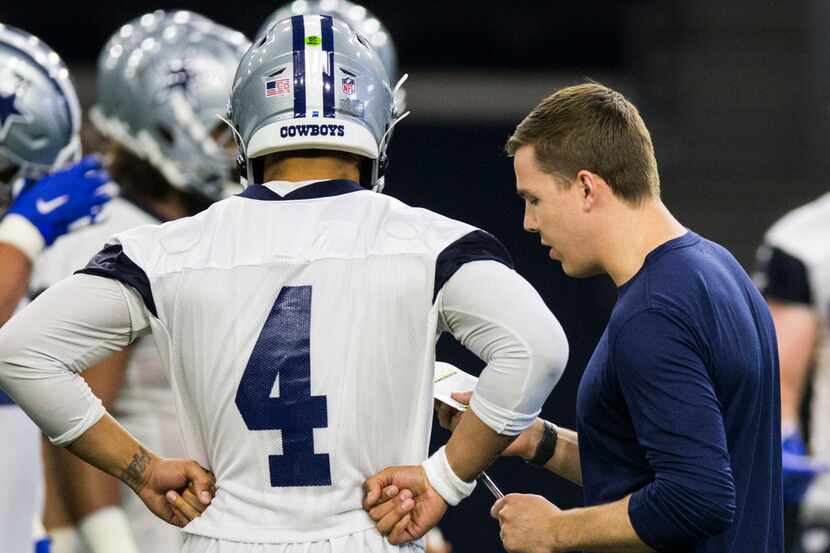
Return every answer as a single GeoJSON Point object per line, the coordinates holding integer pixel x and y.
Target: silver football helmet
{"type": "Point", "coordinates": [112, 98]}
{"type": "Point", "coordinates": [172, 84]}
{"type": "Point", "coordinates": [312, 82]}
{"type": "Point", "coordinates": [40, 117]}
{"type": "Point", "coordinates": [361, 20]}
{"type": "Point", "coordinates": [356, 16]}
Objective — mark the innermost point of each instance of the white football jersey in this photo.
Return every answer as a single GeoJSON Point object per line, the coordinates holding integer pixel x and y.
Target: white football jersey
{"type": "Point", "coordinates": [795, 267]}
{"type": "Point", "coordinates": [298, 325]}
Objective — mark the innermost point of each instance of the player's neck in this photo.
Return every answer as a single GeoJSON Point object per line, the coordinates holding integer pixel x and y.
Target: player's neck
{"type": "Point", "coordinates": [296, 169]}
{"type": "Point", "coordinates": [634, 234]}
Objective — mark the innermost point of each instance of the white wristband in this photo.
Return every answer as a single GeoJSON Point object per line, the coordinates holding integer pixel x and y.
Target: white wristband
{"type": "Point", "coordinates": [108, 530]}
{"type": "Point", "coordinates": [441, 476]}
{"type": "Point", "coordinates": [22, 234]}
{"type": "Point", "coordinates": [65, 540]}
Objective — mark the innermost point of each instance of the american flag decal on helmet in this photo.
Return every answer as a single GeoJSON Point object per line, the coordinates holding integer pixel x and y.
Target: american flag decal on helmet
{"type": "Point", "coordinates": [277, 87]}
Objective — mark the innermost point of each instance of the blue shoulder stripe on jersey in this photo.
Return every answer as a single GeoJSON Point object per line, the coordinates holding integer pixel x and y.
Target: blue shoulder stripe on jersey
{"type": "Point", "coordinates": [319, 189]}
{"type": "Point", "coordinates": [298, 36]}
{"type": "Point", "coordinates": [112, 262]}
{"type": "Point", "coordinates": [4, 399]}
{"type": "Point", "coordinates": [328, 68]}
{"type": "Point", "coordinates": [475, 246]}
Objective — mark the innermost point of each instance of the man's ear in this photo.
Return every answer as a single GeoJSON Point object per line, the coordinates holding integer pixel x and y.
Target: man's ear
{"type": "Point", "coordinates": [588, 184]}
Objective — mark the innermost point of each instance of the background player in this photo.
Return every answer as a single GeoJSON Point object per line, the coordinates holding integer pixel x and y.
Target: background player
{"type": "Point", "coordinates": [794, 275]}
{"type": "Point", "coordinates": [162, 78]}
{"type": "Point", "coordinates": [307, 305]}
{"type": "Point", "coordinates": [39, 126]}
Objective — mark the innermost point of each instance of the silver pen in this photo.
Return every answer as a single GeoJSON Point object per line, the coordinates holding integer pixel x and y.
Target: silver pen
{"type": "Point", "coordinates": [485, 479]}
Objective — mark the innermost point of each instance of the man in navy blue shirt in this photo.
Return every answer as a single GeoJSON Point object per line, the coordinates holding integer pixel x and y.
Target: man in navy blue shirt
{"type": "Point", "coordinates": [678, 444]}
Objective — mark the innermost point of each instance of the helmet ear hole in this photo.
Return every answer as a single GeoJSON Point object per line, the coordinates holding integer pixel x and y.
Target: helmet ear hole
{"type": "Point", "coordinates": [165, 133]}
{"type": "Point", "coordinates": [362, 39]}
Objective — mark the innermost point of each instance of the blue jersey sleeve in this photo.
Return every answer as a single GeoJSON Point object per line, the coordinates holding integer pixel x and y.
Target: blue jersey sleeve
{"type": "Point", "coordinates": [678, 422]}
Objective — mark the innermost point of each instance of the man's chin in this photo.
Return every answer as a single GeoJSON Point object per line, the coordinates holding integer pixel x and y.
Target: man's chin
{"type": "Point", "coordinates": [579, 272]}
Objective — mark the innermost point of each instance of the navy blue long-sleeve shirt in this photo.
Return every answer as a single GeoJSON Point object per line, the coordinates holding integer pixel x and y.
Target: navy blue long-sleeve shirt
{"type": "Point", "coordinates": [680, 406]}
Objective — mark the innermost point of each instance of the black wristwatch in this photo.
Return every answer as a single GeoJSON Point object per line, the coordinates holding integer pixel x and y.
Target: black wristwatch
{"type": "Point", "coordinates": [546, 446]}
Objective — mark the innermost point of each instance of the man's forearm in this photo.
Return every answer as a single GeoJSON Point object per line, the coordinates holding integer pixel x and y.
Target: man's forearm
{"type": "Point", "coordinates": [15, 270]}
{"type": "Point", "coordinates": [109, 447]}
{"type": "Point", "coordinates": [473, 447]}
{"type": "Point", "coordinates": [565, 459]}
{"type": "Point", "coordinates": [601, 529]}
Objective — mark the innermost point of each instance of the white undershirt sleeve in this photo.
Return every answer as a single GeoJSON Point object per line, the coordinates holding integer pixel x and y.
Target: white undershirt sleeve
{"type": "Point", "coordinates": [69, 327]}
{"type": "Point", "coordinates": [496, 314]}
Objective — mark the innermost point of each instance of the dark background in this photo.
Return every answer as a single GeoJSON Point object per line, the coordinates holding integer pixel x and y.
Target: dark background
{"type": "Point", "coordinates": [735, 94]}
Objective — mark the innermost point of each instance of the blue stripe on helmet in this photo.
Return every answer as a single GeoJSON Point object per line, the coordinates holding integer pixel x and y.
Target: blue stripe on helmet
{"type": "Point", "coordinates": [328, 69]}
{"type": "Point", "coordinates": [298, 33]}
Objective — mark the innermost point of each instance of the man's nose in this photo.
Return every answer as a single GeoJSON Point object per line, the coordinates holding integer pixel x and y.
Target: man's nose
{"type": "Point", "coordinates": [529, 222]}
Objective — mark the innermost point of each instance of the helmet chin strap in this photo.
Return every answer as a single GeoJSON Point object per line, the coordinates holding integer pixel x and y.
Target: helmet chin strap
{"type": "Point", "coordinates": [398, 86]}
{"type": "Point", "coordinates": [388, 133]}
{"type": "Point", "coordinates": [380, 180]}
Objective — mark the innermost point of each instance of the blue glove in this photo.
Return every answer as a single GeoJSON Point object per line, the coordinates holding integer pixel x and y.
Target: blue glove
{"type": "Point", "coordinates": [56, 201]}
{"type": "Point", "coordinates": [798, 468]}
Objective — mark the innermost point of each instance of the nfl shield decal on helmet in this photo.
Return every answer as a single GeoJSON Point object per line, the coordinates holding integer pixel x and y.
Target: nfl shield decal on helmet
{"type": "Point", "coordinates": [348, 86]}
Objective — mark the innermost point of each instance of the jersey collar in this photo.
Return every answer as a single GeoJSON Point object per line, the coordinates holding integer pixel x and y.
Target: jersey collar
{"type": "Point", "coordinates": [305, 190]}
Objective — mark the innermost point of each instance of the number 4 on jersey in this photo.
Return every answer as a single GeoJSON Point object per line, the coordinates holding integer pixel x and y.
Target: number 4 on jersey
{"type": "Point", "coordinates": [283, 351]}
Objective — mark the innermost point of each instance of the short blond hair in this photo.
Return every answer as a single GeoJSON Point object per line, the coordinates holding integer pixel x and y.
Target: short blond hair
{"type": "Point", "coordinates": [589, 126]}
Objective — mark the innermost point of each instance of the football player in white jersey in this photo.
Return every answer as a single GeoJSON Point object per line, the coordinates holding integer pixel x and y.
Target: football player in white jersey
{"type": "Point", "coordinates": [161, 80]}
{"type": "Point", "coordinates": [794, 275]}
{"type": "Point", "coordinates": [298, 320]}
{"type": "Point", "coordinates": [40, 199]}
{"type": "Point", "coordinates": [362, 21]}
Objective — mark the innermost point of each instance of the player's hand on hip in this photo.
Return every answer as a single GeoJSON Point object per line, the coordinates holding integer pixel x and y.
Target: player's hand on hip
{"type": "Point", "coordinates": [528, 523]}
{"type": "Point", "coordinates": [187, 506]}
{"type": "Point", "coordinates": [61, 199]}
{"type": "Point", "coordinates": [177, 475]}
{"type": "Point", "coordinates": [402, 503]}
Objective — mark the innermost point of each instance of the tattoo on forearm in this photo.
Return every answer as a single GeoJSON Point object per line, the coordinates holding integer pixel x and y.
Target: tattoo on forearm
{"type": "Point", "coordinates": [133, 475]}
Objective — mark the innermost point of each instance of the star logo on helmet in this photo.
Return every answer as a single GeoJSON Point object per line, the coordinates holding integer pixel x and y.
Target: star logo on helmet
{"type": "Point", "coordinates": [9, 114]}
{"type": "Point", "coordinates": [178, 79]}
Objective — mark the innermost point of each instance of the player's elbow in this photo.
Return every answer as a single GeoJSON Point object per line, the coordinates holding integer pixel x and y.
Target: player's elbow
{"type": "Point", "coordinates": [547, 358]}
{"type": "Point", "coordinates": [6, 368]}
{"type": "Point", "coordinates": [551, 354]}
